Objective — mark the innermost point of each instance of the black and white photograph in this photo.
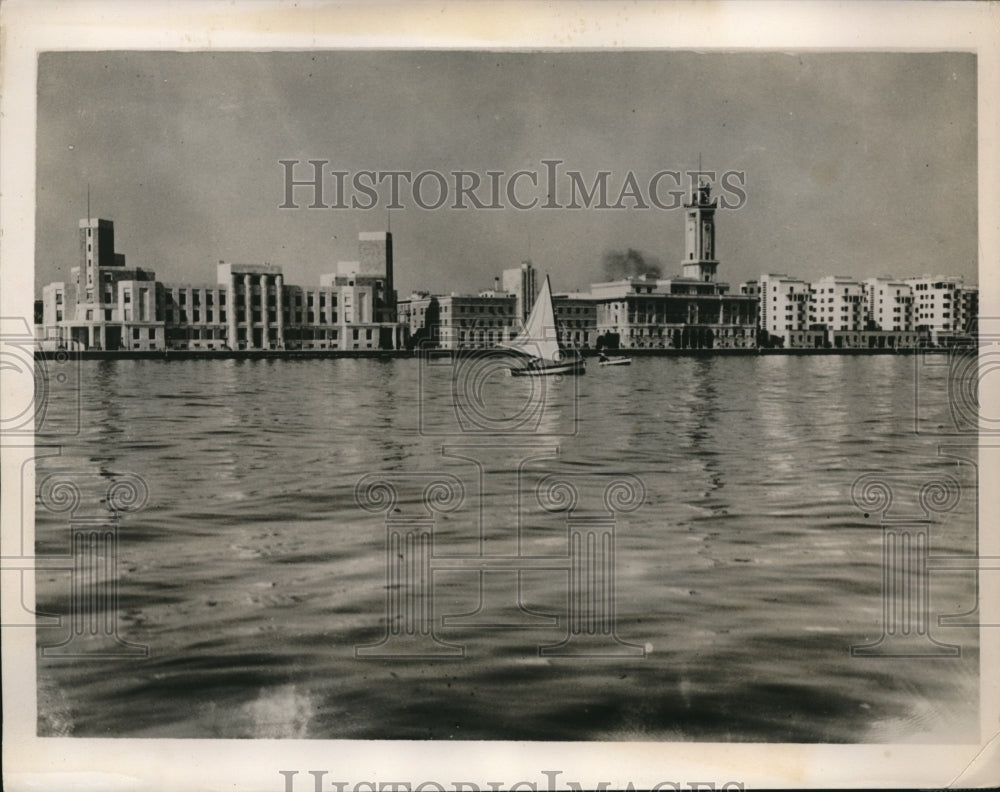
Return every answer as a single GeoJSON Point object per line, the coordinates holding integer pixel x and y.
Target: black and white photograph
{"type": "Point", "coordinates": [500, 409]}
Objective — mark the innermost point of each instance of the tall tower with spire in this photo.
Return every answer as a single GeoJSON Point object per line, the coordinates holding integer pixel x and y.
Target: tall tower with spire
{"type": "Point", "coordinates": [699, 238]}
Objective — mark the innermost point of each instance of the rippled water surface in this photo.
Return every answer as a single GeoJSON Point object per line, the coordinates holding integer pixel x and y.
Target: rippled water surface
{"type": "Point", "coordinates": [741, 581]}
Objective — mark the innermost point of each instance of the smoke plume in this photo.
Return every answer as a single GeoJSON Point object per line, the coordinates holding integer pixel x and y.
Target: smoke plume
{"type": "Point", "coordinates": [630, 264]}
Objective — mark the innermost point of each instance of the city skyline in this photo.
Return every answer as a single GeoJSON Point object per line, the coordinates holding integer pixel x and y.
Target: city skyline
{"type": "Point", "coordinates": [186, 159]}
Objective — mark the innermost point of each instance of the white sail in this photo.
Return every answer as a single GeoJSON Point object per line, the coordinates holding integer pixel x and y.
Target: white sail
{"type": "Point", "coordinates": [538, 337]}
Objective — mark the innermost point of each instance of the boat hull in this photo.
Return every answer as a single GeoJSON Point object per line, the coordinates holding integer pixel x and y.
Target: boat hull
{"type": "Point", "coordinates": [574, 367]}
{"type": "Point", "coordinates": [616, 362]}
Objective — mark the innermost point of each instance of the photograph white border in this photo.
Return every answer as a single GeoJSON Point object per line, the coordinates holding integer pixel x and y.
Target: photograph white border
{"type": "Point", "coordinates": [29, 28]}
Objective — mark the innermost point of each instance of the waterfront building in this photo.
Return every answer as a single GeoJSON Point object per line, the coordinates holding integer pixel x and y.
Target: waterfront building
{"type": "Point", "coordinates": [967, 322]}
{"type": "Point", "coordinates": [690, 311]}
{"type": "Point", "coordinates": [836, 312]}
{"type": "Point", "coordinates": [459, 321]}
{"type": "Point", "coordinates": [888, 304]}
{"type": "Point", "coordinates": [675, 313]}
{"type": "Point", "coordinates": [576, 320]}
{"type": "Point", "coordinates": [944, 306]}
{"type": "Point", "coordinates": [249, 307]}
{"type": "Point", "coordinates": [784, 312]}
{"type": "Point", "coordinates": [105, 304]}
{"type": "Point", "coordinates": [837, 303]}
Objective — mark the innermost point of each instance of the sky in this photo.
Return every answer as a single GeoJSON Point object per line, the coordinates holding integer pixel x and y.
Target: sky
{"type": "Point", "coordinates": [854, 163]}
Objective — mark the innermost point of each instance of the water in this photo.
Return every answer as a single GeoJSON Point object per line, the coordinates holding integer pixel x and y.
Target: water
{"type": "Point", "coordinates": [746, 574]}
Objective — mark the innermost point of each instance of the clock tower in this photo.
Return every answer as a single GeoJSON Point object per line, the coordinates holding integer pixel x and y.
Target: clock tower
{"type": "Point", "coordinates": [699, 247]}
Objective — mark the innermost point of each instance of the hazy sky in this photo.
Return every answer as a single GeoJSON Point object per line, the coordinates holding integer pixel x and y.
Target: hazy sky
{"type": "Point", "coordinates": [855, 164]}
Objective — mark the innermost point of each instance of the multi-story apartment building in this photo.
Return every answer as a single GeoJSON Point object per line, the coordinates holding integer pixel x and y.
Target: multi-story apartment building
{"type": "Point", "coordinates": [944, 306]}
{"type": "Point", "coordinates": [839, 307]}
{"type": "Point", "coordinates": [967, 321]}
{"type": "Point", "coordinates": [250, 307]}
{"type": "Point", "coordinates": [784, 311]}
{"type": "Point", "coordinates": [888, 304]}
{"type": "Point", "coordinates": [837, 303]}
{"type": "Point", "coordinates": [836, 312]}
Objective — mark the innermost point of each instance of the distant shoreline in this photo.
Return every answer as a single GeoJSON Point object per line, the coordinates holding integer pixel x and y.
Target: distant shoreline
{"type": "Point", "coordinates": [391, 354]}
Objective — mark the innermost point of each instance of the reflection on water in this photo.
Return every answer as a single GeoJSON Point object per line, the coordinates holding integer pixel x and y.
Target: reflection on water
{"type": "Point", "coordinates": [252, 574]}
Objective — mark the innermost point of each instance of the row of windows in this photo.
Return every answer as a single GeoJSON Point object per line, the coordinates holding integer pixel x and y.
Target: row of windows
{"type": "Point", "coordinates": [181, 297]}
{"type": "Point", "coordinates": [482, 323]}
{"type": "Point", "coordinates": [494, 310]}
{"type": "Point", "coordinates": [175, 315]}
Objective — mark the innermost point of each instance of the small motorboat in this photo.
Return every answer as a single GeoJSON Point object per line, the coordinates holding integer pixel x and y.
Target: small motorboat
{"type": "Point", "coordinates": [604, 360]}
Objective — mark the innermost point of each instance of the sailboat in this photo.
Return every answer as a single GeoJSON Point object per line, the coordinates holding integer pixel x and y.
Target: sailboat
{"type": "Point", "coordinates": [538, 340]}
